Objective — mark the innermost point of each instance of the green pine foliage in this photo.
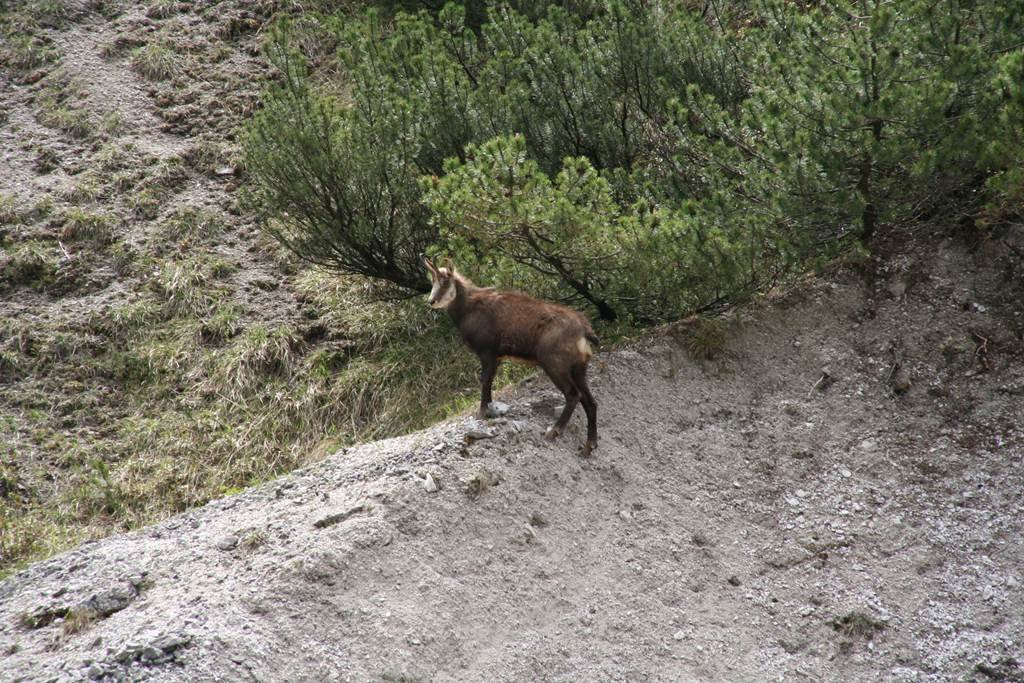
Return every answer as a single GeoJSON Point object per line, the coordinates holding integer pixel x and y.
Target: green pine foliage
{"type": "Point", "coordinates": [642, 160]}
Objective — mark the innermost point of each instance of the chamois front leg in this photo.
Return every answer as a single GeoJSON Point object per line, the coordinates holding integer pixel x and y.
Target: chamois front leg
{"type": "Point", "coordinates": [488, 368]}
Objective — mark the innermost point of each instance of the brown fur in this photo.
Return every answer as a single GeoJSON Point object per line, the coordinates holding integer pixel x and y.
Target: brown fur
{"type": "Point", "coordinates": [499, 325]}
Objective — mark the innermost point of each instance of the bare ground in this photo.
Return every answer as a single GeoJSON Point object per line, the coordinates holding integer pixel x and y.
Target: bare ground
{"type": "Point", "coordinates": [836, 497]}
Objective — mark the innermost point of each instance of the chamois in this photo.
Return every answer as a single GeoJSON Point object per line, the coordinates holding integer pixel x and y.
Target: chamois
{"type": "Point", "coordinates": [499, 325]}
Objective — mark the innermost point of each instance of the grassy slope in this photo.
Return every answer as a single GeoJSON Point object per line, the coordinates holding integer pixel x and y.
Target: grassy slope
{"type": "Point", "coordinates": [155, 349]}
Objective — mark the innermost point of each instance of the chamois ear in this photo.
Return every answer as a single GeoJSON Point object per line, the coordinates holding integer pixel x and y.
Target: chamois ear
{"type": "Point", "coordinates": [427, 262]}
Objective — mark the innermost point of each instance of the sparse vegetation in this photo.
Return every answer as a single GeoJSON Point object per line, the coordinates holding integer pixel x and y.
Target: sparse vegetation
{"type": "Point", "coordinates": [155, 62]}
{"type": "Point", "coordinates": [706, 339]}
{"type": "Point", "coordinates": [28, 263]}
{"type": "Point", "coordinates": [9, 213]}
{"type": "Point", "coordinates": [146, 203]}
{"type": "Point", "coordinates": [23, 52]}
{"type": "Point", "coordinates": [857, 624]}
{"type": "Point", "coordinates": [84, 225]}
{"type": "Point", "coordinates": [78, 620]}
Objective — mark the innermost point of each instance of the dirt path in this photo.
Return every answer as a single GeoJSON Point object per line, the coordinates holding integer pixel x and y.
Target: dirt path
{"type": "Point", "coordinates": [743, 519]}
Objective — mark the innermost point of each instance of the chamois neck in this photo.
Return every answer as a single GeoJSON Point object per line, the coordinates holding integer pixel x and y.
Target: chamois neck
{"type": "Point", "coordinates": [464, 289]}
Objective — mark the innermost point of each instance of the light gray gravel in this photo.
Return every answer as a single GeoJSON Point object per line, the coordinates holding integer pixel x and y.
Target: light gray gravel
{"type": "Point", "coordinates": [734, 524]}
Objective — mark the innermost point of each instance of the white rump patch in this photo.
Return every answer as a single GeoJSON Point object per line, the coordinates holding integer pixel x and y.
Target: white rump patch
{"type": "Point", "coordinates": [584, 347]}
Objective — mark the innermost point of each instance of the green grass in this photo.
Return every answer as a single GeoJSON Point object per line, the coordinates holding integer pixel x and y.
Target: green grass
{"type": "Point", "coordinates": [9, 211]}
{"type": "Point", "coordinates": [77, 123]}
{"type": "Point", "coordinates": [81, 225]}
{"type": "Point", "coordinates": [193, 398]}
{"type": "Point", "coordinates": [147, 202]}
{"type": "Point", "coordinates": [24, 53]}
{"type": "Point", "coordinates": [163, 9]}
{"type": "Point", "coordinates": [189, 226]}
{"type": "Point", "coordinates": [857, 624]}
{"type": "Point", "coordinates": [27, 263]}
{"type": "Point", "coordinates": [706, 339]}
{"type": "Point", "coordinates": [84, 191]}
{"type": "Point", "coordinates": [155, 62]}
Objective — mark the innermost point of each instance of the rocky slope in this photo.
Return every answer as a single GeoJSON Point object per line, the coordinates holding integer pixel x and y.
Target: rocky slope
{"type": "Point", "coordinates": [836, 497]}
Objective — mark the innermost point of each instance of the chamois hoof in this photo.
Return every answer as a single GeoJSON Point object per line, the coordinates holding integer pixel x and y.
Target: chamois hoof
{"type": "Point", "coordinates": [587, 448]}
{"type": "Point", "coordinates": [552, 433]}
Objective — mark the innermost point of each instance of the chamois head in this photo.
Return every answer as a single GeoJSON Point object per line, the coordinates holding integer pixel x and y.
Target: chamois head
{"type": "Point", "coordinates": [443, 292]}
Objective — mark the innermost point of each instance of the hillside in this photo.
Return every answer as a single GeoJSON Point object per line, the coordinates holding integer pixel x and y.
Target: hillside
{"type": "Point", "coordinates": [834, 497]}
{"type": "Point", "coordinates": [156, 350]}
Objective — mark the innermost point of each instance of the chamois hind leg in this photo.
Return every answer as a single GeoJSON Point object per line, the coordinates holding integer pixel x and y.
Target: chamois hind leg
{"type": "Point", "coordinates": [488, 368]}
{"type": "Point", "coordinates": [579, 377]}
{"type": "Point", "coordinates": [563, 380]}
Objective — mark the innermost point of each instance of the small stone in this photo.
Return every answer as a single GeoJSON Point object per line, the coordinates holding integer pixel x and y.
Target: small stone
{"type": "Point", "coordinates": [800, 493]}
{"type": "Point", "coordinates": [901, 381]}
{"type": "Point", "coordinates": [96, 671]}
{"type": "Point", "coordinates": [679, 635]}
{"type": "Point", "coordinates": [734, 580]}
{"type": "Point", "coordinates": [151, 654]}
{"type": "Point", "coordinates": [845, 473]}
{"type": "Point", "coordinates": [113, 600]}
{"type": "Point", "coordinates": [516, 426]}
{"type": "Point", "coordinates": [478, 435]}
{"type": "Point", "coordinates": [897, 289]}
{"type": "Point", "coordinates": [626, 515]}
{"type": "Point", "coordinates": [497, 409]}
{"type": "Point", "coordinates": [430, 484]}
{"type": "Point", "coordinates": [227, 543]}
{"type": "Point", "coordinates": [225, 170]}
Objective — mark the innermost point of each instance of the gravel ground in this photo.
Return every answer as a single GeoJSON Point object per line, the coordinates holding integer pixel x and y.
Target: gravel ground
{"type": "Point", "coordinates": [837, 496]}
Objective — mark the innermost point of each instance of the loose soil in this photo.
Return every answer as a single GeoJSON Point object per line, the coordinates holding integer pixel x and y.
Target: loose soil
{"type": "Point", "coordinates": [836, 496]}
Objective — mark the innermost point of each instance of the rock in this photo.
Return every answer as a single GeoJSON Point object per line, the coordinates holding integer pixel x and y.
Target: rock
{"type": "Point", "coordinates": [897, 289]}
{"type": "Point", "coordinates": [901, 381]}
{"type": "Point", "coordinates": [679, 635]}
{"type": "Point", "coordinates": [734, 580]}
{"type": "Point", "coordinates": [331, 520]}
{"type": "Point", "coordinates": [497, 409]}
{"type": "Point", "coordinates": [151, 654]}
{"type": "Point", "coordinates": [517, 426]}
{"type": "Point", "coordinates": [113, 600]}
{"type": "Point", "coordinates": [480, 482]}
{"type": "Point", "coordinates": [845, 473]}
{"type": "Point", "coordinates": [96, 671]}
{"type": "Point", "coordinates": [430, 484]}
{"type": "Point", "coordinates": [227, 543]}
{"type": "Point", "coordinates": [478, 435]}
{"type": "Point", "coordinates": [171, 641]}
{"type": "Point", "coordinates": [790, 408]}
